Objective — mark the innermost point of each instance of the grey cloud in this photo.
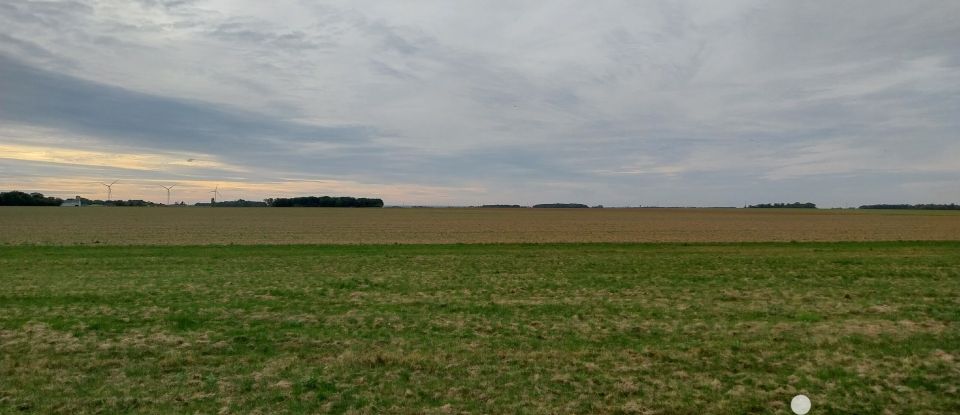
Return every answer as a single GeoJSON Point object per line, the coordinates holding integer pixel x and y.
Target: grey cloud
{"type": "Point", "coordinates": [830, 32]}
{"type": "Point", "coordinates": [167, 4]}
{"type": "Point", "coordinates": [47, 13]}
{"type": "Point", "coordinates": [690, 102]}
{"type": "Point", "coordinates": [37, 97]}
{"type": "Point", "coordinates": [34, 51]}
{"type": "Point", "coordinates": [245, 32]}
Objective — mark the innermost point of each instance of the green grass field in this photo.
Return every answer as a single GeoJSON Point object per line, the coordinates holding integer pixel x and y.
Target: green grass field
{"type": "Point", "coordinates": [570, 328]}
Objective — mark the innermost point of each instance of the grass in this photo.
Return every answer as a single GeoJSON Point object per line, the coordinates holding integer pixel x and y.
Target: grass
{"type": "Point", "coordinates": [256, 226]}
{"type": "Point", "coordinates": [563, 328]}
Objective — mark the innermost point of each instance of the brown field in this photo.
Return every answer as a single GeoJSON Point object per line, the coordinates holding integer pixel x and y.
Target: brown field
{"type": "Point", "coordinates": [177, 226]}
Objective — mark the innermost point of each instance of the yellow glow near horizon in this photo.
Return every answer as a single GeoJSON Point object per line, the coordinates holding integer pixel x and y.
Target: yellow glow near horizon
{"type": "Point", "coordinates": [133, 161]}
{"type": "Point", "coordinates": [146, 172]}
{"type": "Point", "coordinates": [199, 189]}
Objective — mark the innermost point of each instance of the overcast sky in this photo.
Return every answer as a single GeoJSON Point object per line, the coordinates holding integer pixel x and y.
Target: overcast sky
{"type": "Point", "coordinates": [703, 103]}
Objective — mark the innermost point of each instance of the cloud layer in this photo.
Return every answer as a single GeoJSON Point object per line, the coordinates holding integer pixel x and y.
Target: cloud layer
{"type": "Point", "coordinates": [432, 102]}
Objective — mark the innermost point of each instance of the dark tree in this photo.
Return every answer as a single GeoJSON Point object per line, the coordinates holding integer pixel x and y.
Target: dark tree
{"type": "Point", "coordinates": [325, 201]}
{"type": "Point", "coordinates": [16, 198]}
{"type": "Point", "coordinates": [240, 203]}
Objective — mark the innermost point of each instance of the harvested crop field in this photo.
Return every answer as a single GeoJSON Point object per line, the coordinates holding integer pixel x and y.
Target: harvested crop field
{"type": "Point", "coordinates": [567, 328]}
{"type": "Point", "coordinates": [247, 226]}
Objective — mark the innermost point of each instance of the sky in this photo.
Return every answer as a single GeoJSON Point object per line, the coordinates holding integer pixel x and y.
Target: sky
{"type": "Point", "coordinates": [621, 103]}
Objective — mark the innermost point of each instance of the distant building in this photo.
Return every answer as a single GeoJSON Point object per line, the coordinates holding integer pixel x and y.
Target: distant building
{"type": "Point", "coordinates": [72, 202]}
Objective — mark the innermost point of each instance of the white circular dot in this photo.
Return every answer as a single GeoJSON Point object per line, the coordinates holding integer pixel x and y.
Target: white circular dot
{"type": "Point", "coordinates": [800, 404]}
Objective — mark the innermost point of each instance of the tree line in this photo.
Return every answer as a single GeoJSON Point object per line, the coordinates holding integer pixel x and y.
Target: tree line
{"type": "Point", "coordinates": [16, 198]}
{"type": "Point", "coordinates": [562, 205]}
{"type": "Point", "coordinates": [796, 205]}
{"type": "Point", "coordinates": [234, 203]}
{"type": "Point", "coordinates": [324, 201]}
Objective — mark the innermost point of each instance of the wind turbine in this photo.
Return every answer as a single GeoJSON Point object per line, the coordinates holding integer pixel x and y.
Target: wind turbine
{"type": "Point", "coordinates": [109, 188]}
{"type": "Point", "coordinates": [168, 192]}
{"type": "Point", "coordinates": [216, 193]}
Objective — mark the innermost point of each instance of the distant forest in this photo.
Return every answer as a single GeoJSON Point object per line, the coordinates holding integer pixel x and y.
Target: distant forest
{"type": "Point", "coordinates": [796, 205]}
{"type": "Point", "coordinates": [235, 203]}
{"type": "Point", "coordinates": [131, 202]}
{"type": "Point", "coordinates": [324, 201]}
{"type": "Point", "coordinates": [561, 205]}
{"type": "Point", "coordinates": [952, 206]}
{"type": "Point", "coordinates": [16, 198]}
